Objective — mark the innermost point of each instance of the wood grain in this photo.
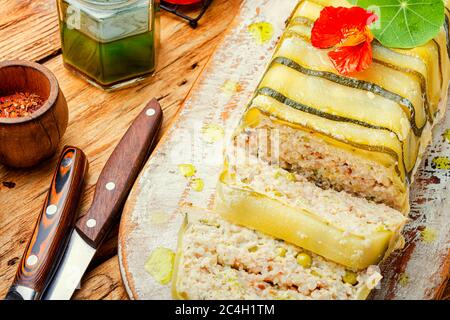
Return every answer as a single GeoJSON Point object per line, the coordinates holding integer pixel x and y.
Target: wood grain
{"type": "Point", "coordinates": [103, 282]}
{"type": "Point", "coordinates": [28, 29]}
{"type": "Point", "coordinates": [97, 121]}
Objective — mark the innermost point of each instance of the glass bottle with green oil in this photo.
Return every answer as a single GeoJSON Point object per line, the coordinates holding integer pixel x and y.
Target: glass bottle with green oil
{"type": "Point", "coordinates": [110, 43]}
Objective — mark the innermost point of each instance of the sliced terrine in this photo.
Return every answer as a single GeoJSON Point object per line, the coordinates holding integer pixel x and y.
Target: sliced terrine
{"type": "Point", "coordinates": [219, 260]}
{"type": "Point", "coordinates": [349, 144]}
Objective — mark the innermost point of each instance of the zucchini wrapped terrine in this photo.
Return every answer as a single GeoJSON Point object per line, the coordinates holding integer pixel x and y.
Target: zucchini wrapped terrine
{"type": "Point", "coordinates": [220, 260]}
{"type": "Point", "coordinates": [325, 160]}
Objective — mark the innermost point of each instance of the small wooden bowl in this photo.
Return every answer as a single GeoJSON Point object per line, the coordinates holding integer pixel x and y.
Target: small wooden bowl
{"type": "Point", "coordinates": [27, 141]}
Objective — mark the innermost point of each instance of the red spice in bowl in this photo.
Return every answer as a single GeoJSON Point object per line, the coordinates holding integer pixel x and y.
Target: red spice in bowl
{"type": "Point", "coordinates": [29, 140]}
{"type": "Point", "coordinates": [20, 104]}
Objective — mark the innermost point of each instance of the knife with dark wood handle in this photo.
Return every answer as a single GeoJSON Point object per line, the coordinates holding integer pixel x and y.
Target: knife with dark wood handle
{"type": "Point", "coordinates": [51, 233]}
{"type": "Point", "coordinates": [119, 174]}
{"type": "Point", "coordinates": [113, 185]}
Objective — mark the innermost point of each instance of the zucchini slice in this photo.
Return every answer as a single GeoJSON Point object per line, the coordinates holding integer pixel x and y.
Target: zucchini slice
{"type": "Point", "coordinates": [299, 89]}
{"type": "Point", "coordinates": [383, 114]}
{"type": "Point", "coordinates": [303, 228]}
{"type": "Point", "coordinates": [352, 134]}
{"type": "Point", "coordinates": [428, 60]}
{"type": "Point", "coordinates": [211, 265]}
{"type": "Point", "coordinates": [380, 80]}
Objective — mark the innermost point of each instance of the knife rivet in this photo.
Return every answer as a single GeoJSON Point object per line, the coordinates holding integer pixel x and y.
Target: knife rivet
{"type": "Point", "coordinates": [51, 210]}
{"type": "Point", "coordinates": [110, 186]}
{"type": "Point", "coordinates": [150, 112]}
{"type": "Point", "coordinates": [32, 260]}
{"type": "Point", "coordinates": [91, 223]}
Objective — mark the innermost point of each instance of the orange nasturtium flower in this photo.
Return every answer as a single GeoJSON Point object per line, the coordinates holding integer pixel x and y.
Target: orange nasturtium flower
{"type": "Point", "coordinates": [346, 31]}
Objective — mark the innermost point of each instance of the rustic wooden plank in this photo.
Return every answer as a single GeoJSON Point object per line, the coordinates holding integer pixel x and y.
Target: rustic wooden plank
{"type": "Point", "coordinates": [99, 119]}
{"type": "Point", "coordinates": [102, 283]}
{"type": "Point", "coordinates": [28, 29]}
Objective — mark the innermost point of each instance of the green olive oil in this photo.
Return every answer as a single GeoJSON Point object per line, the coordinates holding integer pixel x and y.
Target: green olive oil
{"type": "Point", "coordinates": [108, 63]}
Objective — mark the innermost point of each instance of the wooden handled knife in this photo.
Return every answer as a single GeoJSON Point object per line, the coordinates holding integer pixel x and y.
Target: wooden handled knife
{"type": "Point", "coordinates": [113, 186]}
{"type": "Point", "coordinates": [52, 230]}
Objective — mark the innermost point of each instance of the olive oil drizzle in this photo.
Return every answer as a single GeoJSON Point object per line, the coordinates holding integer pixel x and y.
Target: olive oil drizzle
{"type": "Point", "coordinates": [356, 84]}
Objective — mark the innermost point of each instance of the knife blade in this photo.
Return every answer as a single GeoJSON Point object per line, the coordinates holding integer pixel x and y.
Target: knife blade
{"type": "Point", "coordinates": [113, 185]}
{"type": "Point", "coordinates": [52, 230]}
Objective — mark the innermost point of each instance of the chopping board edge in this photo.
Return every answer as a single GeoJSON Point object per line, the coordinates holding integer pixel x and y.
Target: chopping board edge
{"type": "Point", "coordinates": [126, 226]}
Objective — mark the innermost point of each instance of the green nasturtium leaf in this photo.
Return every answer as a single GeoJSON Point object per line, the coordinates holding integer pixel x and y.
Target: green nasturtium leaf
{"type": "Point", "coordinates": [405, 23]}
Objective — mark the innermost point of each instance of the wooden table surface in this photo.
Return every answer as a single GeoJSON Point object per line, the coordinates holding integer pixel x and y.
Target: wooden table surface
{"type": "Point", "coordinates": [97, 120]}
